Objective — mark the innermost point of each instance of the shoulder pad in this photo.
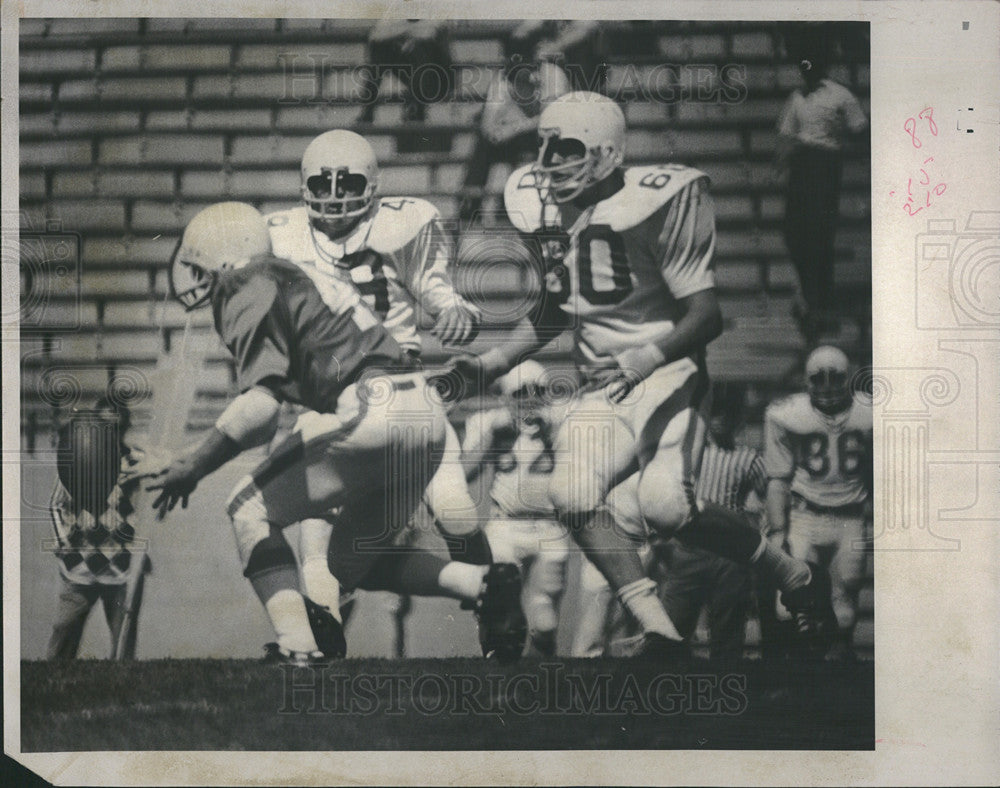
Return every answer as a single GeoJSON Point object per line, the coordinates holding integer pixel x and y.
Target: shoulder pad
{"type": "Point", "coordinates": [398, 221]}
{"type": "Point", "coordinates": [783, 407]}
{"type": "Point", "coordinates": [524, 205]}
{"type": "Point", "coordinates": [290, 216]}
{"type": "Point", "coordinates": [646, 190]}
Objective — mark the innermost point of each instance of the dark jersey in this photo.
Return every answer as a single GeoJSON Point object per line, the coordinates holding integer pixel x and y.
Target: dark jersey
{"type": "Point", "coordinates": [303, 337]}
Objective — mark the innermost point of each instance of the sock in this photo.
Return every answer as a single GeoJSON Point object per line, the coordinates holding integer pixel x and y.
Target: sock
{"type": "Point", "coordinates": [287, 612]}
{"type": "Point", "coordinates": [321, 587]}
{"type": "Point", "coordinates": [461, 580]}
{"type": "Point", "coordinates": [639, 598]}
{"type": "Point", "coordinates": [789, 573]}
{"type": "Point", "coordinates": [614, 555]}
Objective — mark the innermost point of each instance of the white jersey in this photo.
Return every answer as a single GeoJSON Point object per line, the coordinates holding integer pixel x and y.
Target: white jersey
{"type": "Point", "coordinates": [826, 458]}
{"type": "Point", "coordinates": [398, 257]}
{"type": "Point", "coordinates": [631, 257]}
{"type": "Point", "coordinates": [523, 462]}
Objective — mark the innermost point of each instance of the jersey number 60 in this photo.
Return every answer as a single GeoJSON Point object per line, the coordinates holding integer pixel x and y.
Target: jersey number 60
{"type": "Point", "coordinates": [603, 265]}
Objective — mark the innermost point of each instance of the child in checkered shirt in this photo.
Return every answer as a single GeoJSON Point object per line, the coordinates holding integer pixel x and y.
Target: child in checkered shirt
{"type": "Point", "coordinates": [92, 517]}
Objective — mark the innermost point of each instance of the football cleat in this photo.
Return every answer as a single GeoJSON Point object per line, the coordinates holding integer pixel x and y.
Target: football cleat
{"type": "Point", "coordinates": [655, 647]}
{"type": "Point", "coordinates": [812, 610]}
{"type": "Point", "coordinates": [327, 631]}
{"type": "Point", "coordinates": [274, 654]}
{"type": "Point", "coordinates": [503, 629]}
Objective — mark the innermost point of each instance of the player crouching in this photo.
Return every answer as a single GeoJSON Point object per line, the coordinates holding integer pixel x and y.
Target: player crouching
{"type": "Point", "coordinates": [310, 340]}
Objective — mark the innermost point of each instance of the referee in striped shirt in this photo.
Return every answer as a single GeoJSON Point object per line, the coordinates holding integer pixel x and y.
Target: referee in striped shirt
{"type": "Point", "coordinates": [689, 577]}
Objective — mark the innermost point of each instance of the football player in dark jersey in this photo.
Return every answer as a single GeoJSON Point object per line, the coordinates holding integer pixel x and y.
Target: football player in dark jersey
{"type": "Point", "coordinates": [367, 449]}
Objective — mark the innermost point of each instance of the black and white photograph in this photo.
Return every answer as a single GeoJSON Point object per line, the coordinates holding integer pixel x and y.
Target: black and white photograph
{"type": "Point", "coordinates": [472, 384]}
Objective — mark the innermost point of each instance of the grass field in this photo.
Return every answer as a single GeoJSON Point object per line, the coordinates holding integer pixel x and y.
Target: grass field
{"type": "Point", "coordinates": [438, 704]}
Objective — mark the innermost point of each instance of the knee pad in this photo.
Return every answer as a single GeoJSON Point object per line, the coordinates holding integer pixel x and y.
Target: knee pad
{"type": "Point", "coordinates": [664, 502]}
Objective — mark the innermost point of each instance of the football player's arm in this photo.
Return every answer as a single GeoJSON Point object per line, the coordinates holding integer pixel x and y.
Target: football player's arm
{"type": "Point", "coordinates": [425, 265]}
{"type": "Point", "coordinates": [684, 247]}
{"type": "Point", "coordinates": [480, 434]}
{"type": "Point", "coordinates": [780, 464]}
{"type": "Point", "coordinates": [260, 347]}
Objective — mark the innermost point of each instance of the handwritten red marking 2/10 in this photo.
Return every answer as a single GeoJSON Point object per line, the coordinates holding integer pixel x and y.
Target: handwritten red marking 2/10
{"type": "Point", "coordinates": [911, 126]}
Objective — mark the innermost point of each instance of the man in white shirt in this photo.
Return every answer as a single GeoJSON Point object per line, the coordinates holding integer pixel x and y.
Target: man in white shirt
{"type": "Point", "coordinates": [816, 126]}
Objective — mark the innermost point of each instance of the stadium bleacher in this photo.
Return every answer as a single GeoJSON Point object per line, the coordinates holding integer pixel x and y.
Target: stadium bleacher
{"type": "Point", "coordinates": [128, 127]}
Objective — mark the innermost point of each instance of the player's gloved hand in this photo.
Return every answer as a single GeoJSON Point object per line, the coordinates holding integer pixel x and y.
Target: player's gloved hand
{"type": "Point", "coordinates": [456, 325]}
{"type": "Point", "coordinates": [176, 483]}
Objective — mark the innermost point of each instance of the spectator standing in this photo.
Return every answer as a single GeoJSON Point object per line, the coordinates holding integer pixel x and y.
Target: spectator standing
{"type": "Point", "coordinates": [508, 126]}
{"type": "Point", "coordinates": [418, 52]}
{"type": "Point", "coordinates": [92, 515]}
{"type": "Point", "coordinates": [815, 128]}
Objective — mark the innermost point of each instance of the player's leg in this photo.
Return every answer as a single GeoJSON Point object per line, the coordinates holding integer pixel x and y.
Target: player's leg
{"type": "Point", "coordinates": [595, 450]}
{"type": "Point", "coordinates": [329, 460]}
{"type": "Point", "coordinates": [453, 510]}
{"type": "Point", "coordinates": [671, 422]}
{"type": "Point", "coordinates": [545, 580]}
{"type": "Point", "coordinates": [847, 573]}
{"type": "Point", "coordinates": [73, 606]}
{"type": "Point", "coordinates": [314, 544]}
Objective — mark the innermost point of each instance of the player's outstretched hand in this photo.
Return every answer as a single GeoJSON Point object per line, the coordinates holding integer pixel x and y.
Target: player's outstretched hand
{"type": "Point", "coordinates": [456, 325]}
{"type": "Point", "coordinates": [176, 482]}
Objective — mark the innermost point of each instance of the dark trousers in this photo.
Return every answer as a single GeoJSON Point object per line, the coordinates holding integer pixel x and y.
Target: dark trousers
{"type": "Point", "coordinates": [425, 71]}
{"type": "Point", "coordinates": [692, 578]}
{"type": "Point", "coordinates": [811, 214]}
{"type": "Point", "coordinates": [75, 603]}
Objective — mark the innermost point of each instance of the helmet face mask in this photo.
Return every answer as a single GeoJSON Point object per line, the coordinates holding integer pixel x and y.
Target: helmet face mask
{"type": "Point", "coordinates": [189, 283]}
{"type": "Point", "coordinates": [223, 236]}
{"type": "Point", "coordinates": [827, 380]}
{"type": "Point", "coordinates": [581, 142]}
{"type": "Point", "coordinates": [339, 181]}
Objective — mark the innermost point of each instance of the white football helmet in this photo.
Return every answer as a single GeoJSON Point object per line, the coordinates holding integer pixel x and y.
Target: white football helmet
{"type": "Point", "coordinates": [339, 180]}
{"type": "Point", "coordinates": [827, 380]}
{"type": "Point", "coordinates": [581, 142]}
{"type": "Point", "coordinates": [224, 235]}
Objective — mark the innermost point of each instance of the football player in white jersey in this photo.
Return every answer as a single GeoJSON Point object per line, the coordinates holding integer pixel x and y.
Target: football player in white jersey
{"type": "Point", "coordinates": [628, 255]}
{"type": "Point", "coordinates": [818, 448]}
{"type": "Point", "coordinates": [516, 441]}
{"type": "Point", "coordinates": [398, 256]}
